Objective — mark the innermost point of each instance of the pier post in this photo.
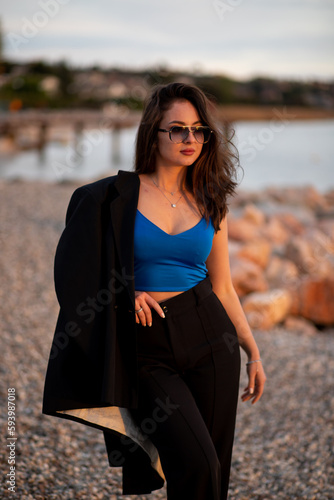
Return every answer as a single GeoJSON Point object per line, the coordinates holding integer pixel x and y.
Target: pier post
{"type": "Point", "coordinates": [41, 141]}
{"type": "Point", "coordinates": [116, 144]}
{"type": "Point", "coordinates": [78, 128]}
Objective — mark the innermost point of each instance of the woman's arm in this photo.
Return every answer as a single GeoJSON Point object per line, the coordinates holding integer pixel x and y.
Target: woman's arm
{"type": "Point", "coordinates": [220, 276]}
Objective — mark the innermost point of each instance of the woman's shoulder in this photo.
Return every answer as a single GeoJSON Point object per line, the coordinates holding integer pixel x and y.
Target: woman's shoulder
{"type": "Point", "coordinates": [101, 188]}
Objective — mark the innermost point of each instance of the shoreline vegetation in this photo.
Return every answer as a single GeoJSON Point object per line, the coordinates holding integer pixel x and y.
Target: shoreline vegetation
{"type": "Point", "coordinates": [52, 90]}
{"type": "Point", "coordinates": [44, 85]}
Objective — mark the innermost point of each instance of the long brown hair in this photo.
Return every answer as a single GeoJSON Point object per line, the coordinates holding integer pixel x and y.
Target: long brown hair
{"type": "Point", "coordinates": [212, 177]}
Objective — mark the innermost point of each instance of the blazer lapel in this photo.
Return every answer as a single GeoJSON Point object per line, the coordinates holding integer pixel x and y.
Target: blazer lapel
{"type": "Point", "coordinates": [123, 212]}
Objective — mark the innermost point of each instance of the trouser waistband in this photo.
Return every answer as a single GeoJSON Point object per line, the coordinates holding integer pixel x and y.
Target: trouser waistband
{"type": "Point", "coordinates": [189, 298]}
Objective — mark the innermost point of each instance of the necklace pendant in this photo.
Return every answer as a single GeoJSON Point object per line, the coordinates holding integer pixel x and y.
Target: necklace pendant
{"type": "Point", "coordinates": [173, 205]}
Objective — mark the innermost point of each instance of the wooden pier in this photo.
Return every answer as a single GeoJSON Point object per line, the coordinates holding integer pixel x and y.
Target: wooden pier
{"type": "Point", "coordinates": [37, 126]}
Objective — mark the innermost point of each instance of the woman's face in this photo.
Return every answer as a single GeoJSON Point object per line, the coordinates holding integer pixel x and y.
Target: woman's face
{"type": "Point", "coordinates": [169, 154]}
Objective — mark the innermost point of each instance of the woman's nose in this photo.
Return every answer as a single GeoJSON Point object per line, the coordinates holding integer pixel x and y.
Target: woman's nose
{"type": "Point", "coordinates": [191, 137]}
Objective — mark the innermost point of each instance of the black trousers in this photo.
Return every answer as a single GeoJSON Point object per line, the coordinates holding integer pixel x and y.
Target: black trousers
{"type": "Point", "coordinates": [189, 367]}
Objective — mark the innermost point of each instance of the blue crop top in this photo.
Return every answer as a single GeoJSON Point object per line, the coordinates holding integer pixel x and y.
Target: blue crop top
{"type": "Point", "coordinates": [166, 262]}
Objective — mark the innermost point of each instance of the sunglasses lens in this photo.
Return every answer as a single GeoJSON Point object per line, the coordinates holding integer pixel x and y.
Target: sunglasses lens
{"type": "Point", "coordinates": [180, 134]}
{"type": "Point", "coordinates": [202, 134]}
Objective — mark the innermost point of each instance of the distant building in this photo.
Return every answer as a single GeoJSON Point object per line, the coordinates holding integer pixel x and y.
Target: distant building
{"type": "Point", "coordinates": [1, 42]}
{"type": "Point", "coordinates": [50, 85]}
{"type": "Point", "coordinates": [117, 90]}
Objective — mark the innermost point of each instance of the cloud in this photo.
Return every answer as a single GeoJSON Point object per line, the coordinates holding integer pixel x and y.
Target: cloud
{"type": "Point", "coordinates": [289, 37]}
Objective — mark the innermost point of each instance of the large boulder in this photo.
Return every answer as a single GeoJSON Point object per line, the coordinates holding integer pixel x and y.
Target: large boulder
{"type": "Point", "coordinates": [265, 309]}
{"type": "Point", "coordinates": [313, 253]}
{"type": "Point", "coordinates": [275, 231]}
{"type": "Point", "coordinates": [326, 226]}
{"type": "Point", "coordinates": [258, 251]}
{"type": "Point", "coordinates": [254, 215]}
{"type": "Point", "coordinates": [300, 325]}
{"type": "Point", "coordinates": [247, 276]}
{"type": "Point", "coordinates": [248, 225]}
{"type": "Point", "coordinates": [281, 273]}
{"type": "Point", "coordinates": [240, 229]}
{"type": "Point", "coordinates": [313, 300]}
{"type": "Point", "coordinates": [291, 223]}
{"type": "Point", "coordinates": [307, 196]}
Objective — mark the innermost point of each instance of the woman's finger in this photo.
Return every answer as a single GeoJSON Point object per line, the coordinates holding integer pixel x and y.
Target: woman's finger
{"type": "Point", "coordinates": [260, 381]}
{"type": "Point", "coordinates": [155, 305]}
{"type": "Point", "coordinates": [256, 381]}
{"type": "Point", "coordinates": [252, 370]}
{"type": "Point", "coordinates": [143, 304]}
{"type": "Point", "coordinates": [143, 313]}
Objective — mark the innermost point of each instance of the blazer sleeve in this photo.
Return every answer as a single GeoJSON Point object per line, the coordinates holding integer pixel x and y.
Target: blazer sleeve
{"type": "Point", "coordinates": [74, 371]}
{"type": "Point", "coordinates": [78, 254]}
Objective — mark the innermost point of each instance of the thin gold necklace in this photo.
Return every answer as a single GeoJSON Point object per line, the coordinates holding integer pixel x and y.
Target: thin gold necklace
{"type": "Point", "coordinates": [173, 205]}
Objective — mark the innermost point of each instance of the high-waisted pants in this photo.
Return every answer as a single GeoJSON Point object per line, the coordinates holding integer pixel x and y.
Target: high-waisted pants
{"type": "Point", "coordinates": [189, 366]}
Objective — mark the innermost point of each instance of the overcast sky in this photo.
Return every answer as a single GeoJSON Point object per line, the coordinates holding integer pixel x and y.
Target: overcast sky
{"type": "Point", "coordinates": [241, 38]}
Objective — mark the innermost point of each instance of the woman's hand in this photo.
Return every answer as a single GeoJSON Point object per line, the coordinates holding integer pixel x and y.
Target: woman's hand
{"type": "Point", "coordinates": [256, 381]}
{"type": "Point", "coordinates": [143, 304]}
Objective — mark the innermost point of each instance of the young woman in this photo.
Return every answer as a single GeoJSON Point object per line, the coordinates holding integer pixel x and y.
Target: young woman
{"type": "Point", "coordinates": [169, 355]}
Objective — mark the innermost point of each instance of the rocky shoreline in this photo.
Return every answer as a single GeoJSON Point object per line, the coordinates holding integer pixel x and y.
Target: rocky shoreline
{"type": "Point", "coordinates": [279, 240]}
{"type": "Point", "coordinates": [282, 257]}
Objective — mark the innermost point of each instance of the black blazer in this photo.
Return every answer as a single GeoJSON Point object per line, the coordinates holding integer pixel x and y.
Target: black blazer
{"type": "Point", "coordinates": [92, 370]}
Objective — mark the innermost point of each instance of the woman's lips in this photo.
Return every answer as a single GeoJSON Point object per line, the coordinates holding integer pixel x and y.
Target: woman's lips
{"type": "Point", "coordinates": [187, 152]}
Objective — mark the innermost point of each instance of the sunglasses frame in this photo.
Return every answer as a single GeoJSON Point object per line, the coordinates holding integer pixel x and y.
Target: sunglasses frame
{"type": "Point", "coordinates": [189, 129]}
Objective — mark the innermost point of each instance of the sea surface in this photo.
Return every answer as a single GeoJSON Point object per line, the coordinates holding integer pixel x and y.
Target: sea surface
{"type": "Point", "coordinates": [279, 153]}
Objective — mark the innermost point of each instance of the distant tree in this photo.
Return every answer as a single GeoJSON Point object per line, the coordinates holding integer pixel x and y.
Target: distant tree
{"type": "Point", "coordinates": [96, 67]}
{"type": "Point", "coordinates": [1, 43]}
{"type": "Point", "coordinates": [6, 67]}
{"type": "Point", "coordinates": [25, 85]}
{"type": "Point", "coordinates": [65, 75]}
{"type": "Point", "coordinates": [220, 87]}
{"type": "Point", "coordinates": [40, 68]}
{"type": "Point", "coordinates": [160, 76]}
{"type": "Point", "coordinates": [27, 89]}
{"type": "Point", "coordinates": [294, 94]}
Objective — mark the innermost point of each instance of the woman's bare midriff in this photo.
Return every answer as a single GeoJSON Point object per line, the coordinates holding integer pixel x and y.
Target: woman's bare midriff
{"type": "Point", "coordinates": [161, 296]}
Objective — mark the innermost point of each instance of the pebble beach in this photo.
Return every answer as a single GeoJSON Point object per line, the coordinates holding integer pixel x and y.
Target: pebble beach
{"type": "Point", "coordinates": [284, 445]}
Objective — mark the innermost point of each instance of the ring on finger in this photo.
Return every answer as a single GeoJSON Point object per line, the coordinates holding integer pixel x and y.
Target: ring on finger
{"type": "Point", "coordinates": [138, 310]}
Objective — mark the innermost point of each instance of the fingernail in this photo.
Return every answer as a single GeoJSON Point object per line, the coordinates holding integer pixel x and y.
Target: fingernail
{"type": "Point", "coordinates": [150, 324]}
{"type": "Point", "coordinates": [251, 390]}
{"type": "Point", "coordinates": [163, 315]}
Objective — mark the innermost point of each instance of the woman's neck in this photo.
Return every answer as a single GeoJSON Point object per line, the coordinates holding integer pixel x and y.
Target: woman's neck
{"type": "Point", "coordinates": [169, 179]}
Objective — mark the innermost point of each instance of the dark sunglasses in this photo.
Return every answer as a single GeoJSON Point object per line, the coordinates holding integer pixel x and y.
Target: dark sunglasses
{"type": "Point", "coordinates": [178, 133]}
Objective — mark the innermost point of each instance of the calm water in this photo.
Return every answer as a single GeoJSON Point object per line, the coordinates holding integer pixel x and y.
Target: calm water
{"type": "Point", "coordinates": [293, 154]}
